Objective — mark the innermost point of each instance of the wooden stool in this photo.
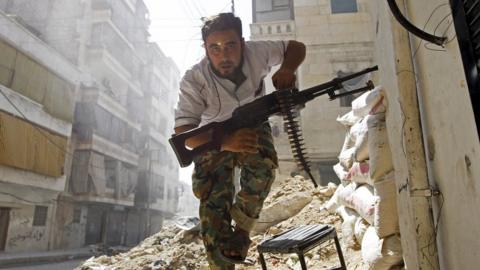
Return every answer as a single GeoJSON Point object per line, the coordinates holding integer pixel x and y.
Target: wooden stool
{"type": "Point", "coordinates": [300, 240]}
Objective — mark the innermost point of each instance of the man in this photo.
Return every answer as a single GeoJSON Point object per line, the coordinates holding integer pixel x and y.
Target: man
{"type": "Point", "coordinates": [232, 75]}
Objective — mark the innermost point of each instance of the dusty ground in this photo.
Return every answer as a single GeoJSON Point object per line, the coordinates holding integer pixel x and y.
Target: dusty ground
{"type": "Point", "coordinates": [173, 248]}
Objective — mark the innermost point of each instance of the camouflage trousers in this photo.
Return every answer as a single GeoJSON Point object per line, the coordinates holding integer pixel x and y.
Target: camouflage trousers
{"type": "Point", "coordinates": [213, 184]}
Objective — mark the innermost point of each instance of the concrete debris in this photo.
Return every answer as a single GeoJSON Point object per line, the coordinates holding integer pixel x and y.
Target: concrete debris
{"type": "Point", "coordinates": [175, 248]}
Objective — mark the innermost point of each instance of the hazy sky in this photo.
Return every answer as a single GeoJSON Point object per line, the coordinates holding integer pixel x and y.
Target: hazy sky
{"type": "Point", "coordinates": [175, 25]}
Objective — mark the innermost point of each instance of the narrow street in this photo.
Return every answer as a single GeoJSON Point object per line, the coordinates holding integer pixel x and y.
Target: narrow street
{"type": "Point", "coordinates": [67, 265]}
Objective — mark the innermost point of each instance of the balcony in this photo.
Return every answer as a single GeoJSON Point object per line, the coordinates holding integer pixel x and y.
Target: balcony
{"type": "Point", "coordinates": [124, 15]}
{"type": "Point", "coordinates": [108, 148]}
{"type": "Point", "coordinates": [111, 105]}
{"type": "Point", "coordinates": [272, 29]}
{"type": "Point", "coordinates": [102, 61]}
{"type": "Point", "coordinates": [105, 39]}
{"type": "Point", "coordinates": [106, 200]}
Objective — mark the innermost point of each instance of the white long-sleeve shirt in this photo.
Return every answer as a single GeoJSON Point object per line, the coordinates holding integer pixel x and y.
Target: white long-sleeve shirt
{"type": "Point", "coordinates": [205, 97]}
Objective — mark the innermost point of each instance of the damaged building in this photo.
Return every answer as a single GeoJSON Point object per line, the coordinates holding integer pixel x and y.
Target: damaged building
{"type": "Point", "coordinates": [109, 176]}
{"type": "Point", "coordinates": [35, 129]}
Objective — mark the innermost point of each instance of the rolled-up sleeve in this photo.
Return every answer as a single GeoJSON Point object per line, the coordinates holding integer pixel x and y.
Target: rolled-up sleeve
{"type": "Point", "coordinates": [272, 51]}
{"type": "Point", "coordinates": [191, 104]}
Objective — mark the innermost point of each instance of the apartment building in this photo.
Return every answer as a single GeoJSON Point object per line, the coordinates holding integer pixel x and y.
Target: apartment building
{"type": "Point", "coordinates": [35, 130]}
{"type": "Point", "coordinates": [117, 148]}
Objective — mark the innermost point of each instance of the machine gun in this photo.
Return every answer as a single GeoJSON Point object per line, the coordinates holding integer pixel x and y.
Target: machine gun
{"type": "Point", "coordinates": [258, 111]}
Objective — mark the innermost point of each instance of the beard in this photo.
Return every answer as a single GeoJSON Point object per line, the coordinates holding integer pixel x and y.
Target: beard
{"type": "Point", "coordinates": [224, 65]}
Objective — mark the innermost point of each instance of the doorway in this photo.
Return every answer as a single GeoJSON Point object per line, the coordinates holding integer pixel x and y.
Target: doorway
{"type": "Point", "coordinates": [4, 220]}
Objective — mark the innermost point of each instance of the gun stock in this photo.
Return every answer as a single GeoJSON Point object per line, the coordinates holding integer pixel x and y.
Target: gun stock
{"type": "Point", "coordinates": [185, 155]}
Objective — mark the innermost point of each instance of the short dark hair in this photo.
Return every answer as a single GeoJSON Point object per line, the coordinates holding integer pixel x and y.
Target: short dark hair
{"type": "Point", "coordinates": [221, 22]}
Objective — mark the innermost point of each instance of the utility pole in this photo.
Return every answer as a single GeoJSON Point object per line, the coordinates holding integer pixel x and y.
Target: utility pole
{"type": "Point", "coordinates": [233, 6]}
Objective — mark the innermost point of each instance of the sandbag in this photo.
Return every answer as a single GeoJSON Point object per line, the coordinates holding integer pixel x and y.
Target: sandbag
{"type": "Point", "coordinates": [347, 157]}
{"type": "Point", "coordinates": [378, 147]}
{"type": "Point", "coordinates": [361, 226]}
{"type": "Point", "coordinates": [349, 216]}
{"type": "Point", "coordinates": [359, 173]}
{"type": "Point", "coordinates": [355, 145]}
{"type": "Point", "coordinates": [380, 107]}
{"type": "Point", "coordinates": [359, 135]}
{"type": "Point", "coordinates": [347, 153]}
{"type": "Point", "coordinates": [361, 199]}
{"type": "Point", "coordinates": [385, 218]}
{"type": "Point", "coordinates": [348, 119]}
{"type": "Point", "coordinates": [362, 105]}
{"type": "Point", "coordinates": [332, 204]}
{"type": "Point", "coordinates": [340, 171]}
{"type": "Point", "coordinates": [381, 254]}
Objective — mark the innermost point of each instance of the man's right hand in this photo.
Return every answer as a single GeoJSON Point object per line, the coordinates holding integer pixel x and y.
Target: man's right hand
{"type": "Point", "coordinates": [242, 140]}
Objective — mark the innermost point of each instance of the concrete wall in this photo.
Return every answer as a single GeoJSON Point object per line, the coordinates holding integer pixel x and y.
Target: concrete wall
{"type": "Point", "coordinates": [451, 139]}
{"type": "Point", "coordinates": [449, 135]}
{"type": "Point", "coordinates": [70, 233]}
{"type": "Point", "coordinates": [22, 190]}
{"type": "Point", "coordinates": [22, 235]}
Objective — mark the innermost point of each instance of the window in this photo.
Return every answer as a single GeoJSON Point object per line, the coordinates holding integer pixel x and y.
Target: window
{"type": "Point", "coordinates": [160, 186]}
{"type": "Point", "coordinates": [355, 83]}
{"type": "Point", "coordinates": [327, 174]}
{"type": "Point", "coordinates": [272, 10]}
{"type": "Point", "coordinates": [343, 6]}
{"type": "Point", "coordinates": [40, 216]}
{"type": "Point", "coordinates": [346, 101]}
{"type": "Point", "coordinates": [281, 4]}
{"type": "Point", "coordinates": [111, 173]}
{"type": "Point", "coordinates": [77, 214]}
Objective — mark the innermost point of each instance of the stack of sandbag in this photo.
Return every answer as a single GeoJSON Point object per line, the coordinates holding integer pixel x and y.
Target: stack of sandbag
{"type": "Point", "coordinates": [366, 198]}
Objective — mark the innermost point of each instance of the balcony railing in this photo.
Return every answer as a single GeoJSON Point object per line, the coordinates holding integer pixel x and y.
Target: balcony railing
{"type": "Point", "coordinates": [104, 36]}
{"type": "Point", "coordinates": [272, 28]}
{"type": "Point", "coordinates": [129, 20]}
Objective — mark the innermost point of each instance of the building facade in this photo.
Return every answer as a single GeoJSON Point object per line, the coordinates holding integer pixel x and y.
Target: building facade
{"type": "Point", "coordinates": [339, 41]}
{"type": "Point", "coordinates": [35, 131]}
{"type": "Point", "coordinates": [118, 150]}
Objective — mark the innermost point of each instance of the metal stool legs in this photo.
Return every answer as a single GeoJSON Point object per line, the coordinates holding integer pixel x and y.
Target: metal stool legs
{"type": "Point", "coordinates": [300, 240]}
{"type": "Point", "coordinates": [340, 253]}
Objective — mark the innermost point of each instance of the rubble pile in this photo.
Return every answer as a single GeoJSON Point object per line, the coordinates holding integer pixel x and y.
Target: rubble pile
{"type": "Point", "coordinates": [175, 248]}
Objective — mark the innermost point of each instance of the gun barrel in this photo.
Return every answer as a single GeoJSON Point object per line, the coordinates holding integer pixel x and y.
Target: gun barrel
{"type": "Point", "coordinates": [334, 84]}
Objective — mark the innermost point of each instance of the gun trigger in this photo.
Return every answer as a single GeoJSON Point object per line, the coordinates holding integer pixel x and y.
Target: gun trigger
{"type": "Point", "coordinates": [331, 94]}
